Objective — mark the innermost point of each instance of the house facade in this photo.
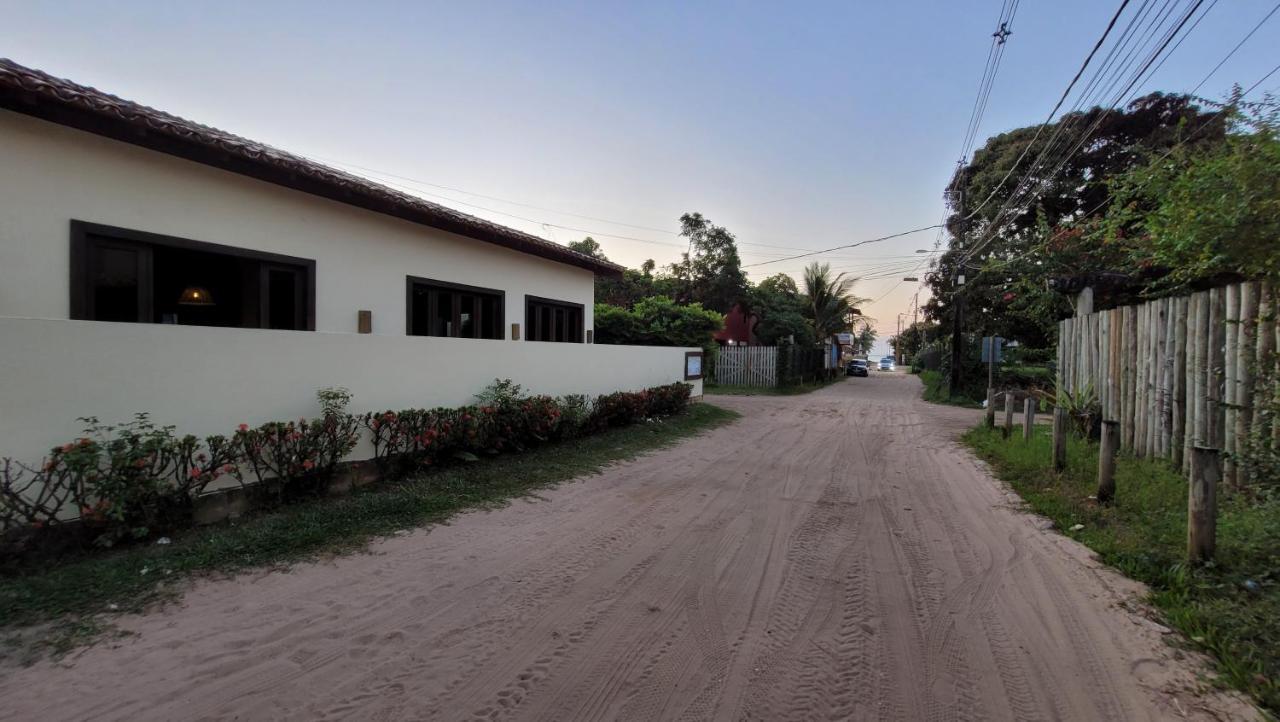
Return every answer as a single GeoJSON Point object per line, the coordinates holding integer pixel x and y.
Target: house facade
{"type": "Point", "coordinates": [739, 328]}
{"type": "Point", "coordinates": [151, 264]}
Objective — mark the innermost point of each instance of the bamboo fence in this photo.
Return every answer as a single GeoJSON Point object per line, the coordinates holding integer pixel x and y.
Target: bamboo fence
{"type": "Point", "coordinates": [1180, 372]}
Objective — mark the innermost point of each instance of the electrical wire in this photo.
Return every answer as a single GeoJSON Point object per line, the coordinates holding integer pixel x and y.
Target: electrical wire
{"type": "Point", "coordinates": [1061, 100]}
{"type": "Point", "coordinates": [1024, 192]}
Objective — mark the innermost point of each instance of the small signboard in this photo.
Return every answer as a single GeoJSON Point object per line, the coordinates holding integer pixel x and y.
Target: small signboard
{"type": "Point", "coordinates": [989, 342]}
{"type": "Point", "coordinates": [844, 338]}
{"type": "Point", "coordinates": [692, 365]}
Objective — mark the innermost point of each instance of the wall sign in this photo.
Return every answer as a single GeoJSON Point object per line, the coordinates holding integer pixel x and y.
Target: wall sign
{"type": "Point", "coordinates": [692, 365]}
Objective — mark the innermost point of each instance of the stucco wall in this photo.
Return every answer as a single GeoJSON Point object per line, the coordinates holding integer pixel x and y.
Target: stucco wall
{"type": "Point", "coordinates": [209, 380]}
{"type": "Point", "coordinates": [51, 174]}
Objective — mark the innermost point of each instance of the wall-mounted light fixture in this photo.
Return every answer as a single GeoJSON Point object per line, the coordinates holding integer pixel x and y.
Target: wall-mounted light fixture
{"type": "Point", "coordinates": [195, 296]}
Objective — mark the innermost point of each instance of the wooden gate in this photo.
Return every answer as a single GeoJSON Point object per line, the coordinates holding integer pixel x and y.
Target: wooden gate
{"type": "Point", "coordinates": [747, 366]}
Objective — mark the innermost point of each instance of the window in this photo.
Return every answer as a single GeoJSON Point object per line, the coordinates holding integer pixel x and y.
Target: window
{"type": "Point", "coordinates": [437, 308]}
{"type": "Point", "coordinates": [549, 320]}
{"type": "Point", "coordinates": [131, 276]}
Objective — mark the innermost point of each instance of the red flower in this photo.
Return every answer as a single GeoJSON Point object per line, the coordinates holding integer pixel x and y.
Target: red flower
{"type": "Point", "coordinates": [308, 464]}
{"type": "Point", "coordinates": [195, 473]}
{"type": "Point", "coordinates": [67, 447]}
{"type": "Point", "coordinates": [244, 427]}
{"type": "Point", "coordinates": [1009, 297]}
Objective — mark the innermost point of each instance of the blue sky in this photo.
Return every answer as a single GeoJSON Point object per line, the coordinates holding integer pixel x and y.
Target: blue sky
{"type": "Point", "coordinates": [794, 125]}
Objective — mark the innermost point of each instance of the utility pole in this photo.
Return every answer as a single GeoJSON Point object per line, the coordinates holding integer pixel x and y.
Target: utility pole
{"type": "Point", "coordinates": [957, 312]}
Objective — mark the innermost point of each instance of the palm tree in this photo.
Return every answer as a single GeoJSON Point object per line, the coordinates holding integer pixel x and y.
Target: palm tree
{"type": "Point", "coordinates": [831, 304]}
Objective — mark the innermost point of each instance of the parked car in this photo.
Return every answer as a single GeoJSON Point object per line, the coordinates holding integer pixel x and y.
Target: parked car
{"type": "Point", "coordinates": [856, 367]}
{"type": "Point", "coordinates": [886, 363]}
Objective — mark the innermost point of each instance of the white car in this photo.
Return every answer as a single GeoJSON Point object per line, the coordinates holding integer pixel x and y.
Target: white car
{"type": "Point", "coordinates": [886, 363]}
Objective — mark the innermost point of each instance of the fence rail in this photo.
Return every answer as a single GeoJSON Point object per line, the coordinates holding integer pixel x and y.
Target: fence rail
{"type": "Point", "coordinates": [747, 366]}
{"type": "Point", "coordinates": [768, 366]}
{"type": "Point", "coordinates": [1178, 373]}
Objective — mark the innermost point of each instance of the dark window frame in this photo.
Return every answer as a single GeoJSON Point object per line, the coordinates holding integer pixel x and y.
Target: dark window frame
{"type": "Point", "coordinates": [498, 294]}
{"type": "Point", "coordinates": [532, 328]}
{"type": "Point", "coordinates": [82, 233]}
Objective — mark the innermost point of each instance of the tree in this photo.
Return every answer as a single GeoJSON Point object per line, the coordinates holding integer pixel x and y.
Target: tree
{"type": "Point", "coordinates": [657, 321]}
{"type": "Point", "coordinates": [1203, 213]}
{"type": "Point", "coordinates": [1005, 260]}
{"type": "Point", "coordinates": [914, 337]}
{"type": "Point", "coordinates": [829, 301]}
{"type": "Point", "coordinates": [864, 339]}
{"type": "Point", "coordinates": [711, 272]}
{"type": "Point", "coordinates": [779, 310]}
{"type": "Point", "coordinates": [588, 247]}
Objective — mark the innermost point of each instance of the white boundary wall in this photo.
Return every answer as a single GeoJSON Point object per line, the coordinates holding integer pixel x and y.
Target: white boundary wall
{"type": "Point", "coordinates": [208, 380]}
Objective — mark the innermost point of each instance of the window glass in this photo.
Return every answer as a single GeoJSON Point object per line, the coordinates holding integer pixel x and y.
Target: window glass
{"type": "Point", "coordinates": [442, 323]}
{"type": "Point", "coordinates": [124, 275]}
{"type": "Point", "coordinates": [454, 311]}
{"type": "Point", "coordinates": [467, 316]}
{"type": "Point", "coordinates": [116, 284]}
{"type": "Point", "coordinates": [282, 299]}
{"type": "Point", "coordinates": [490, 323]}
{"type": "Point", "coordinates": [553, 321]}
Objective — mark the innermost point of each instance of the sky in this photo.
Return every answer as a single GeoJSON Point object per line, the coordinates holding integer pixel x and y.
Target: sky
{"type": "Point", "coordinates": [797, 126]}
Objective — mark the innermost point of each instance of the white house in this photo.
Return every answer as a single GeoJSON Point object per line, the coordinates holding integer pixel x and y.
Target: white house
{"type": "Point", "coordinates": [149, 263]}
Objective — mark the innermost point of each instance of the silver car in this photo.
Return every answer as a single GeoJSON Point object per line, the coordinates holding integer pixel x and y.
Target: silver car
{"type": "Point", "coordinates": [886, 363]}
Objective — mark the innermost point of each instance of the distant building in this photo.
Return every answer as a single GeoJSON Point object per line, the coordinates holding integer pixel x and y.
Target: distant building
{"type": "Point", "coordinates": [738, 328]}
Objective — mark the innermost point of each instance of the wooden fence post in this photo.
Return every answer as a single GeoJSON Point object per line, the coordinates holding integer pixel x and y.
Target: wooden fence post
{"type": "Point", "coordinates": [1008, 414]}
{"type": "Point", "coordinates": [1107, 461]}
{"type": "Point", "coordinates": [1178, 414]}
{"type": "Point", "coordinates": [1059, 438]}
{"type": "Point", "coordinates": [991, 408]}
{"type": "Point", "coordinates": [1029, 417]}
{"type": "Point", "coordinates": [1266, 347]}
{"type": "Point", "coordinates": [1231, 330]}
{"type": "Point", "coordinates": [1217, 366]}
{"type": "Point", "coordinates": [1202, 504]}
{"type": "Point", "coordinates": [1246, 346]}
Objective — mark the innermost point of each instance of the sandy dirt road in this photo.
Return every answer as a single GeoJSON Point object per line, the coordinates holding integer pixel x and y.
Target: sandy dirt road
{"type": "Point", "coordinates": [831, 556]}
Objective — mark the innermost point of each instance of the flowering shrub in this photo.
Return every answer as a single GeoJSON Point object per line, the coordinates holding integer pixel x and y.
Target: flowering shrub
{"type": "Point", "coordinates": [123, 481]}
{"type": "Point", "coordinates": [669, 399]}
{"type": "Point", "coordinates": [298, 458]}
{"type": "Point", "coordinates": [135, 480]}
{"type": "Point", "coordinates": [620, 408]}
{"type": "Point", "coordinates": [506, 420]}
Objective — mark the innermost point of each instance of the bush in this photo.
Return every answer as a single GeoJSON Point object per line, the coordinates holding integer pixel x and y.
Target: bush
{"type": "Point", "coordinates": [669, 399]}
{"type": "Point", "coordinates": [297, 460]}
{"type": "Point", "coordinates": [136, 480]}
{"type": "Point", "coordinates": [657, 321]}
{"type": "Point", "coordinates": [124, 481]}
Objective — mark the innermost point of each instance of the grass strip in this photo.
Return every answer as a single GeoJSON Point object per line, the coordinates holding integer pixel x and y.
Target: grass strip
{"type": "Point", "coordinates": [935, 391]}
{"type": "Point", "coordinates": [131, 579]}
{"type": "Point", "coordinates": [1229, 608]}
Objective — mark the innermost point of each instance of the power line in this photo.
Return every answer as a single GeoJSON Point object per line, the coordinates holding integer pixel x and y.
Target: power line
{"type": "Point", "coordinates": [1023, 191]}
{"type": "Point", "coordinates": [1169, 151]}
{"type": "Point", "coordinates": [1061, 100]}
{"type": "Point", "coordinates": [1229, 55]}
{"type": "Point", "coordinates": [848, 245]}
{"type": "Point", "coordinates": [415, 181]}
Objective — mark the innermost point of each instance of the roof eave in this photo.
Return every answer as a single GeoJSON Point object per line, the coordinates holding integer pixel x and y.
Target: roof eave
{"type": "Point", "coordinates": [311, 179]}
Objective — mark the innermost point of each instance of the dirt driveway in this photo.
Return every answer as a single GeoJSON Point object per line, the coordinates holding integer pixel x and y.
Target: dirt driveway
{"type": "Point", "coordinates": [830, 556]}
